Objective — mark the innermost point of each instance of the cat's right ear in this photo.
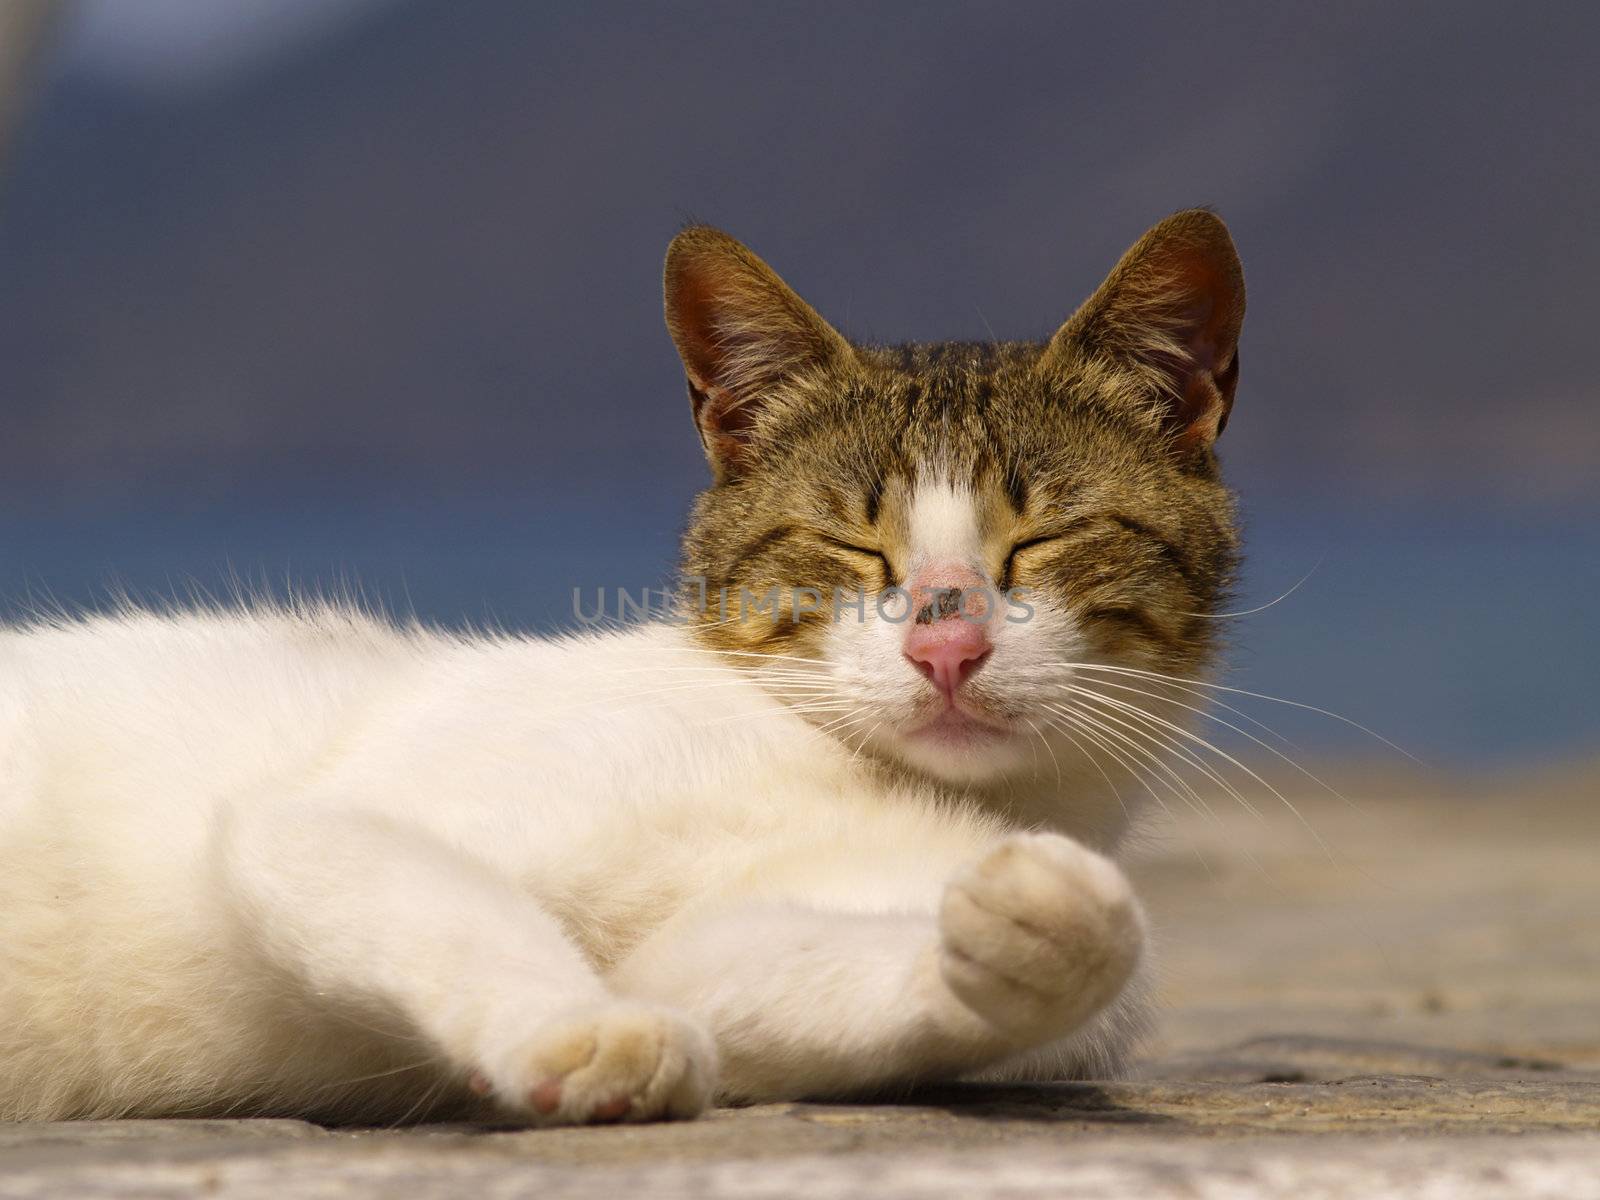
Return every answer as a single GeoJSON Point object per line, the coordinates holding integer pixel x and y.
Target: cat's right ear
{"type": "Point", "coordinates": [743, 335]}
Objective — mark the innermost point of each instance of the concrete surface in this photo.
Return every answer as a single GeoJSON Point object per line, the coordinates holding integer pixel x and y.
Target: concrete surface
{"type": "Point", "coordinates": [1404, 1002]}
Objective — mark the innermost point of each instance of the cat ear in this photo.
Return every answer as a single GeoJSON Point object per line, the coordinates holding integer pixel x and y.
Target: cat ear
{"type": "Point", "coordinates": [1170, 311]}
{"type": "Point", "coordinates": [743, 336]}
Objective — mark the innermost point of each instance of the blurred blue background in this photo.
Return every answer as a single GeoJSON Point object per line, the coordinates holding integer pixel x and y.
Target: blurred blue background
{"type": "Point", "coordinates": [323, 292]}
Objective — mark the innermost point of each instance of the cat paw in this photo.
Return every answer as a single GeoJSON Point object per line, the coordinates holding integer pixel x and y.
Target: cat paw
{"type": "Point", "coordinates": [1038, 935]}
{"type": "Point", "coordinates": [617, 1062]}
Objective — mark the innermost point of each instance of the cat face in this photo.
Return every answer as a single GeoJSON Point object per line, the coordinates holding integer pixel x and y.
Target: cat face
{"type": "Point", "coordinates": [927, 549]}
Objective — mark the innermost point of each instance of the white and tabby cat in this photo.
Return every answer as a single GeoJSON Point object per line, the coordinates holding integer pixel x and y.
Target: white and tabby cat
{"type": "Point", "coordinates": [300, 861]}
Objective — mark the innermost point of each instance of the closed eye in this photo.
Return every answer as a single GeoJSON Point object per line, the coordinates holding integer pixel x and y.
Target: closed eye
{"type": "Point", "coordinates": [879, 556]}
{"type": "Point", "coordinates": [1018, 548]}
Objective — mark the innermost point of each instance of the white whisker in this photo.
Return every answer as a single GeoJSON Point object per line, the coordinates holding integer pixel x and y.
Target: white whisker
{"type": "Point", "coordinates": [1250, 612]}
{"type": "Point", "coordinates": [1329, 788]}
{"type": "Point", "coordinates": [1289, 804]}
{"type": "Point", "coordinates": [1196, 683]}
{"type": "Point", "coordinates": [1173, 782]}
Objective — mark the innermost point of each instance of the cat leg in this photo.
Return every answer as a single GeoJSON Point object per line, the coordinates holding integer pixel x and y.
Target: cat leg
{"type": "Point", "coordinates": [371, 911]}
{"type": "Point", "coordinates": [1028, 944]}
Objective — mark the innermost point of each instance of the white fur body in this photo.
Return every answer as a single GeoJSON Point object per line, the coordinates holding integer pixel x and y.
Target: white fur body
{"type": "Point", "coordinates": [299, 861]}
{"type": "Point", "coordinates": [307, 862]}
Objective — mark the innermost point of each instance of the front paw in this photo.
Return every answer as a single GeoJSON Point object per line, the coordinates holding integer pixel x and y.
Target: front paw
{"type": "Point", "coordinates": [1038, 935]}
{"type": "Point", "coordinates": [610, 1062]}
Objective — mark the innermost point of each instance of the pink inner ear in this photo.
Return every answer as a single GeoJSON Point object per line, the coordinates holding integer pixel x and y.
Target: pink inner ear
{"type": "Point", "coordinates": [691, 302]}
{"type": "Point", "coordinates": [697, 293]}
{"type": "Point", "coordinates": [1205, 317]}
{"type": "Point", "coordinates": [1208, 329]}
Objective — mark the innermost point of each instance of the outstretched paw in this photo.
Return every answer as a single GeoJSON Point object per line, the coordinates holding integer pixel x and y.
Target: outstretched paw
{"type": "Point", "coordinates": [614, 1062]}
{"type": "Point", "coordinates": [1038, 935]}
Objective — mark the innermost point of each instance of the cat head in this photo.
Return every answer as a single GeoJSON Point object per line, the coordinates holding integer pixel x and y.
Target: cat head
{"type": "Point", "coordinates": [938, 552]}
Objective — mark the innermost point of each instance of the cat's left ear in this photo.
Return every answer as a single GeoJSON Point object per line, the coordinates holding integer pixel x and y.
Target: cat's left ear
{"type": "Point", "coordinates": [743, 336]}
{"type": "Point", "coordinates": [1168, 317]}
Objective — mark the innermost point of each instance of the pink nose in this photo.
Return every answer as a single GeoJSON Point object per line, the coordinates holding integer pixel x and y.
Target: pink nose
{"type": "Point", "coordinates": [949, 640]}
{"type": "Point", "coordinates": [948, 652]}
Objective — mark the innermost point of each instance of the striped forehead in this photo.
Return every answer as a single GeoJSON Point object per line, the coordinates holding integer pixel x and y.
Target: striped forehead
{"type": "Point", "coordinates": [943, 523]}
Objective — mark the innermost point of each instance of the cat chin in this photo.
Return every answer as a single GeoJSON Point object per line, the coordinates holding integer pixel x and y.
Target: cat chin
{"type": "Point", "coordinates": [962, 753]}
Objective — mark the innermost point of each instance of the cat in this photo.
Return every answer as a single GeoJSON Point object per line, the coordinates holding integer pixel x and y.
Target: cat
{"type": "Point", "coordinates": [841, 823]}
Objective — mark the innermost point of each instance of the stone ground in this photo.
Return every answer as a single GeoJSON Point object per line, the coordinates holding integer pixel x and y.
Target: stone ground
{"type": "Point", "coordinates": [1406, 1002]}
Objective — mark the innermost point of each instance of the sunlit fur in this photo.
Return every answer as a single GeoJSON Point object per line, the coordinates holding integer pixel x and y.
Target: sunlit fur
{"type": "Point", "coordinates": [300, 860]}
